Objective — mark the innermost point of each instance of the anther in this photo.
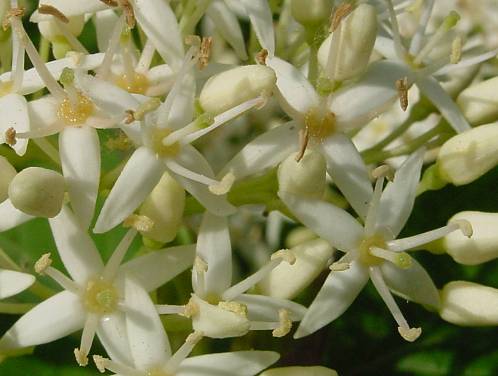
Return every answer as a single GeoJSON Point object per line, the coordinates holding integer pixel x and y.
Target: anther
{"type": "Point", "coordinates": [237, 308]}
{"type": "Point", "coordinates": [129, 117]}
{"type": "Point", "coordinates": [285, 324]}
{"type": "Point", "coordinates": [121, 143]}
{"type": "Point", "coordinates": [204, 52]}
{"type": "Point", "coordinates": [304, 138]}
{"type": "Point", "coordinates": [43, 263]}
{"type": "Point", "coordinates": [402, 87]}
{"type": "Point", "coordinates": [13, 12]}
{"type": "Point", "coordinates": [339, 266]}
{"type": "Point", "coordinates": [465, 227]}
{"type": "Point", "coordinates": [110, 3]}
{"type": "Point", "coordinates": [200, 265]}
{"type": "Point", "coordinates": [52, 11]}
{"type": "Point", "coordinates": [140, 223]}
{"type": "Point", "coordinates": [100, 363]}
{"type": "Point", "coordinates": [456, 50]}
{"type": "Point", "coordinates": [194, 337]}
{"type": "Point", "coordinates": [81, 357]}
{"type": "Point", "coordinates": [409, 334]}
{"type": "Point", "coordinates": [261, 56]}
{"type": "Point", "coordinates": [383, 171]}
{"type": "Point", "coordinates": [191, 309]}
{"type": "Point", "coordinates": [339, 14]}
{"type": "Point", "coordinates": [128, 12]}
{"type": "Point", "coordinates": [10, 136]}
{"type": "Point", "coordinates": [284, 254]}
{"type": "Point", "coordinates": [223, 186]}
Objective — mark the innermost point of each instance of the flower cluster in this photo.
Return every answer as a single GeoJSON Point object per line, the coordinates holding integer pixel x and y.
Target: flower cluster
{"type": "Point", "coordinates": [172, 123]}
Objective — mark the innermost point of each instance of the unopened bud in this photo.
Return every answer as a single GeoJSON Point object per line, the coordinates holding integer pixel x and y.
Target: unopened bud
{"type": "Point", "coordinates": [51, 31]}
{"type": "Point", "coordinates": [300, 371]}
{"type": "Point", "coordinates": [469, 304]}
{"type": "Point", "coordinates": [311, 12]}
{"type": "Point", "coordinates": [7, 173]}
{"type": "Point", "coordinates": [236, 86]}
{"type": "Point", "coordinates": [354, 46]}
{"type": "Point", "coordinates": [479, 102]}
{"type": "Point", "coordinates": [164, 206]}
{"type": "Point", "coordinates": [469, 155]}
{"type": "Point", "coordinates": [60, 48]}
{"type": "Point", "coordinates": [305, 178]}
{"type": "Point", "coordinates": [37, 191]}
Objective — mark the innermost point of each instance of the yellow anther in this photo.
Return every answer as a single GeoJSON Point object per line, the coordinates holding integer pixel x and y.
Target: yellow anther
{"type": "Point", "coordinates": [383, 171]}
{"type": "Point", "coordinates": [200, 266]}
{"type": "Point", "coordinates": [100, 363]}
{"type": "Point", "coordinates": [284, 254]}
{"type": "Point", "coordinates": [191, 309]}
{"type": "Point", "coordinates": [75, 113]}
{"type": "Point", "coordinates": [43, 263]}
{"type": "Point", "coordinates": [456, 50]}
{"type": "Point", "coordinates": [465, 227]}
{"type": "Point", "coordinates": [339, 266]}
{"type": "Point", "coordinates": [223, 186]}
{"type": "Point", "coordinates": [140, 223]}
{"type": "Point", "coordinates": [409, 334]}
{"type": "Point", "coordinates": [285, 324]}
{"type": "Point", "coordinates": [136, 83]}
{"type": "Point", "coordinates": [13, 12]}
{"type": "Point", "coordinates": [238, 308]}
{"type": "Point", "coordinates": [81, 357]}
{"type": "Point", "coordinates": [261, 56]}
{"type": "Point", "coordinates": [128, 12]}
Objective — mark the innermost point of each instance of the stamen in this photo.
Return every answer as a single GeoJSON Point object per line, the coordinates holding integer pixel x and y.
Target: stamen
{"type": "Point", "coordinates": [112, 266]}
{"type": "Point", "coordinates": [456, 50]}
{"type": "Point", "coordinates": [182, 171]}
{"type": "Point", "coordinates": [200, 269]}
{"type": "Point", "coordinates": [110, 3]}
{"type": "Point", "coordinates": [89, 330]}
{"type": "Point", "coordinates": [146, 57]}
{"type": "Point", "coordinates": [398, 46]}
{"type": "Point", "coordinates": [191, 309]}
{"type": "Point", "coordinates": [128, 12]}
{"type": "Point", "coordinates": [43, 267]}
{"type": "Point", "coordinates": [409, 334]}
{"type": "Point", "coordinates": [183, 352]}
{"type": "Point", "coordinates": [417, 39]}
{"type": "Point", "coordinates": [10, 136]}
{"type": "Point", "coordinates": [112, 48]}
{"type": "Point", "coordinates": [53, 11]}
{"type": "Point", "coordinates": [371, 219]}
{"type": "Point", "coordinates": [341, 12]}
{"type": "Point", "coordinates": [383, 171]}
{"type": "Point", "coordinates": [165, 309]}
{"type": "Point", "coordinates": [204, 52]}
{"type": "Point", "coordinates": [402, 87]}
{"type": "Point", "coordinates": [285, 324]}
{"type": "Point", "coordinates": [303, 143]}
{"type": "Point", "coordinates": [140, 223]}
{"type": "Point", "coordinates": [401, 259]}
{"type": "Point", "coordinates": [12, 13]}
{"type": "Point", "coordinates": [235, 307]}
{"type": "Point", "coordinates": [261, 57]}
{"type": "Point", "coordinates": [115, 367]}
{"type": "Point", "coordinates": [339, 266]}
{"type": "Point", "coordinates": [224, 186]}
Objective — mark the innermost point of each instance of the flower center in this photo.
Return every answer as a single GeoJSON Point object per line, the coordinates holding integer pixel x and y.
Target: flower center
{"type": "Point", "coordinates": [74, 111]}
{"type": "Point", "coordinates": [157, 372]}
{"type": "Point", "coordinates": [162, 150]}
{"type": "Point", "coordinates": [365, 255]}
{"type": "Point", "coordinates": [100, 296]}
{"type": "Point", "coordinates": [318, 124]}
{"type": "Point", "coordinates": [6, 88]}
{"type": "Point", "coordinates": [136, 83]}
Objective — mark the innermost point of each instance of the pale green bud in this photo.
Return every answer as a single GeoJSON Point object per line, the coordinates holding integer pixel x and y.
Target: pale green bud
{"type": "Point", "coordinates": [60, 47]}
{"type": "Point", "coordinates": [354, 46]}
{"type": "Point", "coordinates": [311, 12]}
{"type": "Point", "coordinates": [300, 371]}
{"type": "Point", "coordinates": [38, 192]}
{"type": "Point", "coordinates": [305, 178]}
{"type": "Point", "coordinates": [469, 155]}
{"type": "Point", "coordinates": [469, 304]}
{"type": "Point", "coordinates": [236, 86]}
{"type": "Point", "coordinates": [7, 173]}
{"type": "Point", "coordinates": [299, 235]}
{"type": "Point", "coordinates": [164, 206]}
{"type": "Point", "coordinates": [479, 102]}
{"type": "Point", "coordinates": [51, 31]}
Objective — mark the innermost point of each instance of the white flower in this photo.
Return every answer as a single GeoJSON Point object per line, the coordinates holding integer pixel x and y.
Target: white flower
{"type": "Point", "coordinates": [151, 352]}
{"type": "Point", "coordinates": [372, 250]}
{"type": "Point", "coordinates": [92, 299]}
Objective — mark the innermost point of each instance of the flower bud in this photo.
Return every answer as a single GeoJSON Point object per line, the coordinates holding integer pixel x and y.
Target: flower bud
{"type": "Point", "coordinates": [304, 178]}
{"type": "Point", "coordinates": [479, 102]}
{"type": "Point", "coordinates": [469, 155]}
{"type": "Point", "coordinates": [311, 12]}
{"type": "Point", "coordinates": [299, 235]}
{"type": "Point", "coordinates": [164, 206]}
{"type": "Point", "coordinates": [60, 48]}
{"type": "Point", "coordinates": [300, 371]}
{"type": "Point", "coordinates": [51, 31]}
{"type": "Point", "coordinates": [481, 247]}
{"type": "Point", "coordinates": [286, 280]}
{"type": "Point", "coordinates": [469, 304]}
{"type": "Point", "coordinates": [236, 86]}
{"type": "Point", "coordinates": [38, 192]}
{"type": "Point", "coordinates": [354, 46]}
{"type": "Point", "coordinates": [7, 173]}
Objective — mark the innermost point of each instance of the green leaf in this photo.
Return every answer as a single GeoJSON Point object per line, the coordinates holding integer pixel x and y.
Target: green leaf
{"type": "Point", "coordinates": [434, 363]}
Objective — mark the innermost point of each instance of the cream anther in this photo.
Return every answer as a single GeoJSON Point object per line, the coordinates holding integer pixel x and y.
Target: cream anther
{"type": "Point", "coordinates": [100, 362]}
{"type": "Point", "coordinates": [285, 324]}
{"type": "Point", "coordinates": [456, 50]}
{"type": "Point", "coordinates": [464, 226]}
{"type": "Point", "coordinates": [81, 358]}
{"type": "Point", "coordinates": [191, 309]}
{"type": "Point", "coordinates": [224, 185]}
{"type": "Point", "coordinates": [339, 266]}
{"type": "Point", "coordinates": [409, 334]}
{"type": "Point", "coordinates": [284, 254]}
{"type": "Point", "coordinates": [140, 223]}
{"type": "Point", "coordinates": [204, 52]}
{"type": "Point", "coordinates": [200, 265]}
{"type": "Point", "coordinates": [402, 87]}
{"type": "Point", "coordinates": [43, 263]}
{"type": "Point", "coordinates": [10, 136]}
{"type": "Point", "coordinates": [235, 307]}
{"type": "Point", "coordinates": [383, 171]}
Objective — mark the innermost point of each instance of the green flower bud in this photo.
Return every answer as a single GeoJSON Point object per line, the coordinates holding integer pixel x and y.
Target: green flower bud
{"type": "Point", "coordinates": [7, 173]}
{"type": "Point", "coordinates": [51, 31]}
{"type": "Point", "coordinates": [311, 12]}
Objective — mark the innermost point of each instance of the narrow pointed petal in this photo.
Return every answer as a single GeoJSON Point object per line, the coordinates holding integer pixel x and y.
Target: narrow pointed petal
{"type": "Point", "coordinates": [156, 268]}
{"type": "Point", "coordinates": [149, 343]}
{"type": "Point", "coordinates": [14, 114]}
{"type": "Point", "coordinates": [339, 290]}
{"type": "Point", "coordinates": [140, 175]}
{"type": "Point", "coordinates": [76, 249]}
{"type": "Point", "coordinates": [261, 17]}
{"type": "Point", "coordinates": [43, 112]}
{"type": "Point", "coordinates": [12, 282]}
{"type": "Point", "coordinates": [214, 248]}
{"type": "Point", "coordinates": [265, 308]}
{"type": "Point", "coordinates": [11, 217]}
{"type": "Point", "coordinates": [443, 102]}
{"type": "Point", "coordinates": [329, 222]}
{"type": "Point", "coordinates": [113, 336]}
{"type": "Point", "coordinates": [348, 171]}
{"type": "Point", "coordinates": [398, 197]}
{"type": "Point", "coordinates": [182, 109]}
{"type": "Point", "coordinates": [79, 149]}
{"type": "Point", "coordinates": [104, 26]}
{"type": "Point", "coordinates": [413, 283]}
{"type": "Point", "coordinates": [241, 363]}
{"type": "Point", "coordinates": [54, 318]}
{"type": "Point", "coordinates": [265, 151]}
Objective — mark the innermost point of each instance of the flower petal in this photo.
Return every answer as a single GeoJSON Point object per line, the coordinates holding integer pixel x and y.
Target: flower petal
{"type": "Point", "coordinates": [54, 318]}
{"type": "Point", "coordinates": [76, 249]}
{"type": "Point", "coordinates": [105, 22]}
{"type": "Point", "coordinates": [14, 114]}
{"type": "Point", "coordinates": [113, 336]}
{"type": "Point", "coordinates": [261, 17]}
{"type": "Point", "coordinates": [79, 149]}
{"type": "Point", "coordinates": [140, 175]}
{"type": "Point", "coordinates": [182, 109]}
{"type": "Point", "coordinates": [12, 282]}
{"type": "Point", "coordinates": [265, 308]}
{"type": "Point", "coordinates": [71, 7]}
{"type": "Point", "coordinates": [348, 171]}
{"type": "Point", "coordinates": [337, 293]}
{"type": "Point", "coordinates": [10, 216]}
{"type": "Point", "coordinates": [329, 222]}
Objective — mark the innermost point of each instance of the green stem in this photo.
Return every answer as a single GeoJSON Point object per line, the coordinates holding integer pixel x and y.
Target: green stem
{"type": "Point", "coordinates": [15, 308]}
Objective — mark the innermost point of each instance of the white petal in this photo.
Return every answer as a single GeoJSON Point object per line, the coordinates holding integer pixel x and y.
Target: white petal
{"type": "Point", "coordinates": [191, 159]}
{"type": "Point", "coordinates": [413, 283]}
{"type": "Point", "coordinates": [348, 171]}
{"type": "Point", "coordinates": [265, 308]}
{"type": "Point", "coordinates": [14, 114]}
{"type": "Point", "coordinates": [329, 222]}
{"type": "Point", "coordinates": [295, 93]}
{"type": "Point", "coordinates": [443, 102]}
{"type": "Point", "coordinates": [161, 78]}
{"type": "Point", "coordinates": [104, 26]}
{"type": "Point", "coordinates": [265, 151]}
{"type": "Point", "coordinates": [398, 197]}
{"type": "Point", "coordinates": [385, 46]}
{"type": "Point", "coordinates": [76, 248]}
{"type": "Point", "coordinates": [71, 7]}
{"type": "Point", "coordinates": [54, 318]}
{"type": "Point", "coordinates": [140, 175]}
{"type": "Point", "coordinates": [79, 149]}
{"type": "Point", "coordinates": [337, 293]}
{"type": "Point", "coordinates": [156, 268]}
{"type": "Point", "coordinates": [228, 26]}
{"type": "Point", "coordinates": [10, 216]}
{"type": "Point", "coordinates": [43, 112]}
{"type": "Point", "coordinates": [182, 109]}
{"type": "Point", "coordinates": [12, 282]}
{"type": "Point", "coordinates": [261, 17]}
{"type": "Point", "coordinates": [241, 363]}
{"type": "Point", "coordinates": [214, 248]}
{"type": "Point", "coordinates": [113, 336]}
{"type": "Point", "coordinates": [149, 343]}
{"type": "Point", "coordinates": [158, 22]}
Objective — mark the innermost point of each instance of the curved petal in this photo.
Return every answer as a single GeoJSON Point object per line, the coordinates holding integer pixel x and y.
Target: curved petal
{"type": "Point", "coordinates": [10, 216]}
{"type": "Point", "coordinates": [54, 318]}
{"type": "Point", "coordinates": [149, 343]}
{"type": "Point", "coordinates": [140, 175]}
{"type": "Point", "coordinates": [413, 283]}
{"type": "Point", "coordinates": [214, 248]}
{"type": "Point", "coordinates": [113, 336]}
{"type": "Point", "coordinates": [265, 308]}
{"type": "Point", "coordinates": [265, 151]}
{"type": "Point", "coordinates": [71, 7]}
{"type": "Point", "coordinates": [241, 363]}
{"type": "Point", "coordinates": [348, 171]}
{"type": "Point", "coordinates": [398, 197]}
{"type": "Point", "coordinates": [12, 282]}
{"type": "Point", "coordinates": [79, 149]}
{"type": "Point", "coordinates": [261, 18]}
{"type": "Point", "coordinates": [156, 268]}
{"type": "Point", "coordinates": [182, 109]}
{"type": "Point", "coordinates": [43, 112]}
{"type": "Point", "coordinates": [14, 114]}
{"type": "Point", "coordinates": [104, 26]}
{"type": "Point", "coordinates": [76, 248]}
{"type": "Point", "coordinates": [339, 290]}
{"type": "Point", "coordinates": [329, 222]}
